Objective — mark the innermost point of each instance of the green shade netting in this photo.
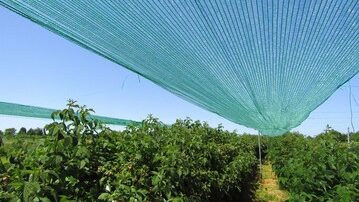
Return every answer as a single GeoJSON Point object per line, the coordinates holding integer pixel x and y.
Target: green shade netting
{"type": "Point", "coordinates": [265, 64]}
{"type": "Point", "coordinates": [13, 109]}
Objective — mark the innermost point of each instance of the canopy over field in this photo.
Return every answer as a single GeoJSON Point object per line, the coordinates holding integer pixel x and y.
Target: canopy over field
{"type": "Point", "coordinates": [262, 64]}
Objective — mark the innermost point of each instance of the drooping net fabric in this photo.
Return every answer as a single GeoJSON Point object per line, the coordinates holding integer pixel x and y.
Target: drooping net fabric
{"type": "Point", "coordinates": [265, 64]}
{"type": "Point", "coordinates": [13, 109]}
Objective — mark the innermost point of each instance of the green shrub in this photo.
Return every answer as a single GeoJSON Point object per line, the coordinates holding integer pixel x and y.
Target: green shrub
{"type": "Point", "coordinates": [61, 166]}
{"type": "Point", "coordinates": [36, 131]}
{"type": "Point", "coordinates": [22, 131]}
{"type": "Point", "coordinates": [188, 161]}
{"type": "Point", "coordinates": [10, 131]}
{"type": "Point", "coordinates": [80, 159]}
{"type": "Point", "coordinates": [320, 169]}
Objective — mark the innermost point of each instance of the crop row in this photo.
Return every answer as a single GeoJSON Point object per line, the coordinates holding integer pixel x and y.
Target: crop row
{"type": "Point", "coordinates": [80, 159]}
{"type": "Point", "coordinates": [324, 168]}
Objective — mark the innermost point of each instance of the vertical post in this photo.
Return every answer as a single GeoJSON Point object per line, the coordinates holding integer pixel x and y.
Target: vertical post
{"type": "Point", "coordinates": [348, 136]}
{"type": "Point", "coordinates": [260, 154]}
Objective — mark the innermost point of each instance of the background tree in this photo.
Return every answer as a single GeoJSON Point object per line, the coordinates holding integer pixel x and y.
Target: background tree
{"type": "Point", "coordinates": [1, 141]}
{"type": "Point", "coordinates": [10, 131]}
{"type": "Point", "coordinates": [330, 133]}
{"type": "Point", "coordinates": [31, 132]}
{"type": "Point", "coordinates": [22, 131]}
{"type": "Point", "coordinates": [36, 131]}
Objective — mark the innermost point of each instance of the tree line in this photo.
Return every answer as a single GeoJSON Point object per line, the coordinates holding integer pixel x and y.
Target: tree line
{"type": "Point", "coordinates": [22, 131]}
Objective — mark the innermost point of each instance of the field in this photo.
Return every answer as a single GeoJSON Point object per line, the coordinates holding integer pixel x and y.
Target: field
{"type": "Point", "coordinates": [79, 159]}
{"type": "Point", "coordinates": [324, 168]}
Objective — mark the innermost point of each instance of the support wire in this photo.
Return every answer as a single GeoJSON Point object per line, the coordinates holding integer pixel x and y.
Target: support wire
{"type": "Point", "coordinates": [351, 109]}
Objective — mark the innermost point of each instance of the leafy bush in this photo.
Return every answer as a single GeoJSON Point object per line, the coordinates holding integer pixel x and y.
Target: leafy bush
{"type": "Point", "coordinates": [319, 169]}
{"type": "Point", "coordinates": [36, 131]}
{"type": "Point", "coordinates": [80, 159]}
{"type": "Point", "coordinates": [332, 134]}
{"type": "Point", "coordinates": [187, 160]}
{"type": "Point", "coordinates": [58, 167]}
{"type": "Point", "coordinates": [355, 137]}
{"type": "Point", "coordinates": [22, 131]}
{"type": "Point", "coordinates": [10, 131]}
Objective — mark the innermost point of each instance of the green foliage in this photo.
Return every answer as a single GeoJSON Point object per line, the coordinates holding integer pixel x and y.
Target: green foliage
{"type": "Point", "coordinates": [354, 137]}
{"type": "Point", "coordinates": [330, 133]}
{"type": "Point", "coordinates": [22, 131]}
{"type": "Point", "coordinates": [59, 167]}
{"type": "Point", "coordinates": [81, 160]}
{"type": "Point", "coordinates": [10, 131]}
{"type": "Point", "coordinates": [319, 169]}
{"type": "Point", "coordinates": [186, 161]}
{"type": "Point", "coordinates": [2, 153]}
{"type": "Point", "coordinates": [1, 139]}
{"type": "Point", "coordinates": [36, 131]}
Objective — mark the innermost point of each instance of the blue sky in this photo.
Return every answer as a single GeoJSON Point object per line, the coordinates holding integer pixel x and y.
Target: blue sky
{"type": "Point", "coordinates": [40, 68]}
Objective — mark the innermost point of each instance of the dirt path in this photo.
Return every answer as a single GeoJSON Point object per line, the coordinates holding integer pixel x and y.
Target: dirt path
{"type": "Point", "coordinates": [268, 189]}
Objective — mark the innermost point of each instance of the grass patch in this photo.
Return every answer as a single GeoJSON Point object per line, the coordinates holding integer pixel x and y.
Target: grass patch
{"type": "Point", "coordinates": [269, 189]}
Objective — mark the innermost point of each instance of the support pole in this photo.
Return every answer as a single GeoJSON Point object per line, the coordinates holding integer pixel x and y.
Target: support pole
{"type": "Point", "coordinates": [260, 154]}
{"type": "Point", "coordinates": [348, 136]}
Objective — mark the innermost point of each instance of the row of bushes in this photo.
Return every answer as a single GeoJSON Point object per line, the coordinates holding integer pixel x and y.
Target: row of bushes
{"type": "Point", "coordinates": [324, 168]}
{"type": "Point", "coordinates": [80, 159]}
{"type": "Point", "coordinates": [22, 131]}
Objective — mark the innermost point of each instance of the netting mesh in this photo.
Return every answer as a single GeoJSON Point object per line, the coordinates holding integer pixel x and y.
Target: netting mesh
{"type": "Point", "coordinates": [13, 109]}
{"type": "Point", "coordinates": [265, 64]}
